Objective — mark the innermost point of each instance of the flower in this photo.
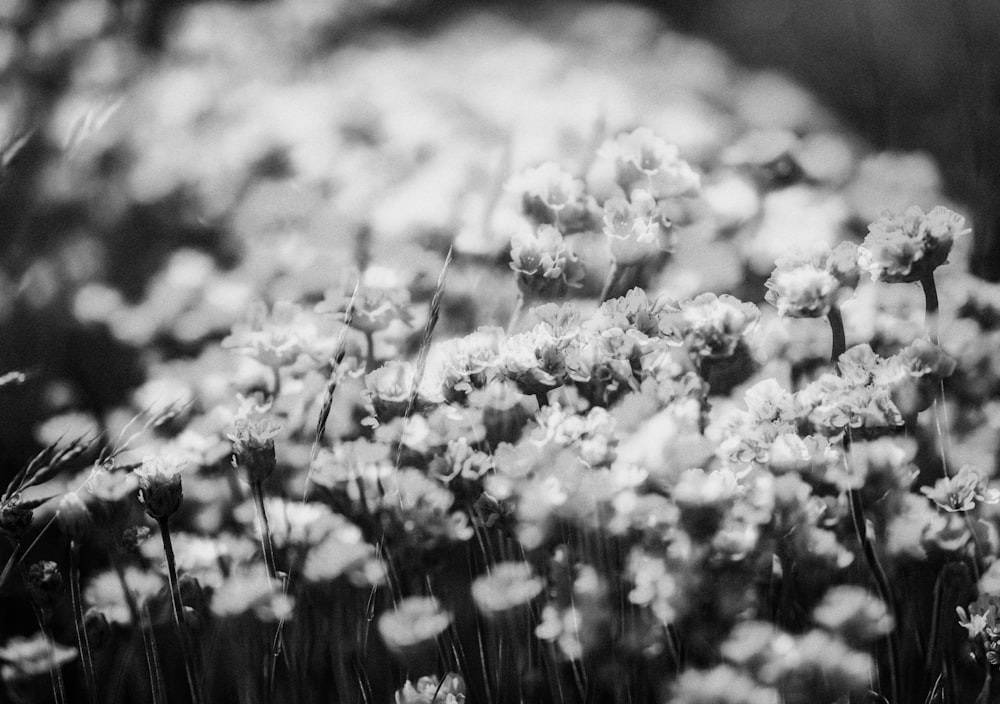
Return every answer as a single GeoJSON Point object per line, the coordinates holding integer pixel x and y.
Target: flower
{"type": "Point", "coordinates": [962, 490]}
{"type": "Point", "coordinates": [160, 490]}
{"type": "Point", "coordinates": [251, 591]}
{"type": "Point", "coordinates": [636, 228]}
{"type": "Point", "coordinates": [45, 584]}
{"type": "Point", "coordinates": [714, 325]}
{"type": "Point", "coordinates": [640, 159]}
{"type": "Point", "coordinates": [981, 623]}
{"type": "Point", "coordinates": [30, 657]}
{"type": "Point", "coordinates": [551, 196]}
{"type": "Point", "coordinates": [430, 690]}
{"type": "Point", "coordinates": [104, 592]}
{"type": "Point", "coordinates": [545, 265]}
{"type": "Point", "coordinates": [854, 614]}
{"type": "Point", "coordinates": [253, 444]}
{"type": "Point", "coordinates": [275, 338]}
{"type": "Point", "coordinates": [74, 518]}
{"type": "Point", "coordinates": [414, 623]}
{"type": "Point", "coordinates": [507, 586]}
{"type": "Point", "coordinates": [904, 248]}
{"type": "Point", "coordinates": [374, 305]}
{"type": "Point", "coordinates": [15, 517]}
{"type": "Point", "coordinates": [808, 286]}
{"type": "Point", "coordinates": [723, 684]}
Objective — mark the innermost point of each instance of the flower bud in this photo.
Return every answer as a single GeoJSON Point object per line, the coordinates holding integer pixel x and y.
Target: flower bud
{"type": "Point", "coordinates": [160, 489]}
{"type": "Point", "coordinates": [15, 518]}
{"type": "Point", "coordinates": [97, 627]}
{"type": "Point", "coordinates": [253, 446]}
{"type": "Point", "coordinates": [45, 584]}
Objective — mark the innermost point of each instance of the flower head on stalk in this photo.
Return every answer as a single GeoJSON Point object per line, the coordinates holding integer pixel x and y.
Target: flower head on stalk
{"type": "Point", "coordinates": [906, 247]}
{"type": "Point", "coordinates": [544, 264]}
{"type": "Point", "coordinates": [809, 286]}
{"type": "Point", "coordinates": [160, 490]}
{"type": "Point", "coordinates": [253, 443]}
{"type": "Point", "coordinates": [982, 624]}
{"type": "Point", "coordinates": [715, 325]}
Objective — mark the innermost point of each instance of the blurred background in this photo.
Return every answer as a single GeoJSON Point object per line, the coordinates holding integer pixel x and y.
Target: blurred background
{"type": "Point", "coordinates": [166, 163]}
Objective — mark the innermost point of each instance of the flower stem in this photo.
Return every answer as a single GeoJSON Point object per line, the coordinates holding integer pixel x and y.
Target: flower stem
{"type": "Point", "coordinates": [265, 530]}
{"type": "Point", "coordinates": [9, 567]}
{"type": "Point", "coordinates": [82, 641]}
{"type": "Point", "coordinates": [369, 351]}
{"type": "Point", "coordinates": [839, 337]}
{"type": "Point", "coordinates": [178, 604]}
{"type": "Point", "coordinates": [611, 282]}
{"type": "Point", "coordinates": [931, 305]}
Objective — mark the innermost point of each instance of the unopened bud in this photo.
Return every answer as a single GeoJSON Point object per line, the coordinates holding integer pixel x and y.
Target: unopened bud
{"type": "Point", "coordinates": [160, 487]}
{"type": "Point", "coordinates": [253, 447]}
{"type": "Point", "coordinates": [45, 584]}
{"type": "Point", "coordinates": [15, 518]}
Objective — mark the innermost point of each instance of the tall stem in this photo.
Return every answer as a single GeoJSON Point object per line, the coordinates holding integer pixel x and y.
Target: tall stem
{"type": "Point", "coordinates": [178, 604]}
{"type": "Point", "coordinates": [369, 351]}
{"type": "Point", "coordinates": [839, 337]}
{"type": "Point", "coordinates": [82, 641]}
{"type": "Point", "coordinates": [611, 282]}
{"type": "Point", "coordinates": [265, 530]}
{"type": "Point", "coordinates": [931, 305]}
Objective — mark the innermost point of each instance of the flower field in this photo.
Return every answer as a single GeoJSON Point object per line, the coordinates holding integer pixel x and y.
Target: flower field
{"type": "Point", "coordinates": [452, 388]}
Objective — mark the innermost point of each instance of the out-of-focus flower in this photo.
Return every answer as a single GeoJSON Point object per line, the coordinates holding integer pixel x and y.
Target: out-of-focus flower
{"type": "Point", "coordinates": [544, 264]}
{"type": "Point", "coordinates": [962, 491]}
{"type": "Point", "coordinates": [275, 338]}
{"type": "Point", "coordinates": [24, 658]}
{"type": "Point", "coordinates": [507, 587]}
{"type": "Point", "coordinates": [45, 584]}
{"type": "Point", "coordinates": [251, 592]}
{"type": "Point", "coordinates": [906, 247]}
{"type": "Point", "coordinates": [160, 490]}
{"type": "Point", "coordinates": [807, 286]}
{"type": "Point", "coordinates": [430, 690]}
{"type": "Point", "coordinates": [723, 684]}
{"type": "Point", "coordinates": [104, 592]}
{"type": "Point", "coordinates": [74, 518]}
{"type": "Point", "coordinates": [636, 228]}
{"type": "Point", "coordinates": [97, 627]}
{"type": "Point", "coordinates": [413, 624]}
{"type": "Point", "coordinates": [389, 389]}
{"type": "Point", "coordinates": [854, 614]}
{"type": "Point", "coordinates": [375, 306]}
{"type": "Point", "coordinates": [654, 585]}
{"type": "Point", "coordinates": [640, 159]}
{"type": "Point", "coordinates": [551, 196]}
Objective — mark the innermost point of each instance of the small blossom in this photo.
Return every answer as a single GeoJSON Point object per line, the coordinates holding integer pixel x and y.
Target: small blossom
{"type": "Point", "coordinates": [160, 490]}
{"type": "Point", "coordinates": [854, 614]}
{"type": "Point", "coordinates": [24, 658]}
{"type": "Point", "coordinates": [274, 338]}
{"type": "Point", "coordinates": [640, 159]}
{"type": "Point", "coordinates": [414, 623]}
{"type": "Point", "coordinates": [253, 445]}
{"type": "Point", "coordinates": [251, 592]}
{"type": "Point", "coordinates": [981, 622]}
{"type": "Point", "coordinates": [430, 690]}
{"type": "Point", "coordinates": [544, 264]}
{"type": "Point", "coordinates": [962, 491]}
{"type": "Point", "coordinates": [45, 584]}
{"type": "Point", "coordinates": [715, 325]}
{"type": "Point", "coordinates": [508, 585]}
{"type": "Point", "coordinates": [74, 518]}
{"type": "Point", "coordinates": [551, 196]}
{"type": "Point", "coordinates": [903, 248]}
{"type": "Point", "coordinates": [636, 228]}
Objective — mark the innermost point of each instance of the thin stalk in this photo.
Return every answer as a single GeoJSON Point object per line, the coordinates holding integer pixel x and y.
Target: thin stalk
{"type": "Point", "coordinates": [265, 530]}
{"type": "Point", "coordinates": [178, 604]}
{"type": "Point", "coordinates": [55, 670]}
{"type": "Point", "coordinates": [369, 351]}
{"type": "Point", "coordinates": [931, 305]}
{"type": "Point", "coordinates": [515, 314]}
{"type": "Point", "coordinates": [82, 641]}
{"type": "Point", "coordinates": [611, 282]}
{"type": "Point", "coordinates": [145, 628]}
{"type": "Point", "coordinates": [839, 337]}
{"type": "Point", "coordinates": [9, 567]}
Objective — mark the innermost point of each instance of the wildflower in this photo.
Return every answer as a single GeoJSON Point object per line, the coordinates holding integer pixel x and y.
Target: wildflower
{"type": "Point", "coordinates": [275, 338]}
{"type": "Point", "coordinates": [544, 264]}
{"type": "Point", "coordinates": [723, 684]}
{"type": "Point", "coordinates": [703, 499]}
{"type": "Point", "coordinates": [15, 517]}
{"type": "Point", "coordinates": [104, 592]}
{"type": "Point", "coordinates": [74, 518]}
{"type": "Point", "coordinates": [800, 290]}
{"type": "Point", "coordinates": [430, 690]}
{"type": "Point", "coordinates": [962, 491]}
{"type": "Point", "coordinates": [113, 489]}
{"type": "Point", "coordinates": [907, 247]}
{"type": "Point", "coordinates": [854, 614]}
{"type": "Point", "coordinates": [160, 490]}
{"type": "Point", "coordinates": [636, 228]}
{"type": "Point", "coordinates": [343, 554]}
{"type": "Point", "coordinates": [45, 585]}
{"type": "Point", "coordinates": [981, 623]}
{"type": "Point", "coordinates": [655, 586]}
{"type": "Point", "coordinates": [374, 306]}
{"type": "Point", "coordinates": [250, 591]}
{"type": "Point", "coordinates": [551, 196]}
{"type": "Point", "coordinates": [562, 626]}
{"type": "Point", "coordinates": [640, 159]}
{"type": "Point", "coordinates": [505, 411]}
{"type": "Point", "coordinates": [415, 623]}
{"type": "Point", "coordinates": [253, 444]}
{"type": "Point", "coordinates": [24, 658]}
{"type": "Point", "coordinates": [389, 389]}
{"type": "Point", "coordinates": [507, 586]}
{"type": "Point", "coordinates": [715, 325]}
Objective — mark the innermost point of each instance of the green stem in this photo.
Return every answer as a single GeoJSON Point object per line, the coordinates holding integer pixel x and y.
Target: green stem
{"type": "Point", "coordinates": [839, 336]}
{"type": "Point", "coordinates": [178, 604]}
